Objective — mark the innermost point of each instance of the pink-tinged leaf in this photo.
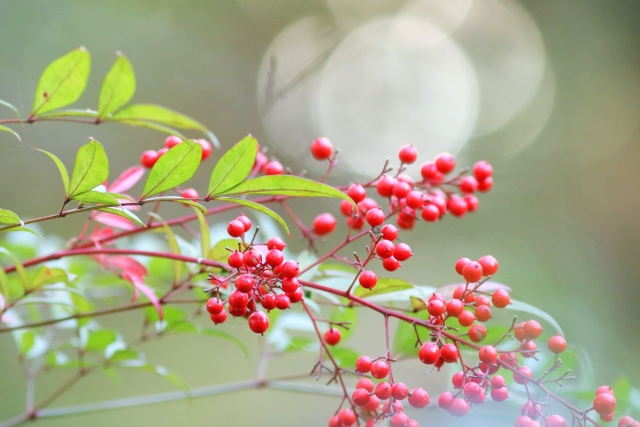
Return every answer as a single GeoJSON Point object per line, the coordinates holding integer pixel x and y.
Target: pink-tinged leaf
{"type": "Point", "coordinates": [139, 285]}
{"type": "Point", "coordinates": [101, 233]}
{"type": "Point", "coordinates": [128, 265]}
{"type": "Point", "coordinates": [114, 221]}
{"type": "Point", "coordinates": [127, 179]}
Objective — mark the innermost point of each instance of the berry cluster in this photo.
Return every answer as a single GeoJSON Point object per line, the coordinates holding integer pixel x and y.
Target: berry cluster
{"type": "Point", "coordinates": [271, 281]}
{"type": "Point", "coordinates": [150, 157]}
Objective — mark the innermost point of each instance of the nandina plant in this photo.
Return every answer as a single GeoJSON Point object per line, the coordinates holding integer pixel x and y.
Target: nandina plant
{"type": "Point", "coordinates": [248, 277]}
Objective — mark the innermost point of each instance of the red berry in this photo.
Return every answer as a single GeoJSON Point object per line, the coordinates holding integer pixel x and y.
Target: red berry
{"type": "Point", "coordinates": [399, 419]}
{"type": "Point", "coordinates": [418, 398]}
{"type": "Point", "coordinates": [482, 300]}
{"type": "Point", "coordinates": [238, 299]}
{"type": "Point", "coordinates": [290, 269]}
{"type": "Point", "coordinates": [206, 148]}
{"type": "Point", "coordinates": [488, 354]}
{"type": "Point", "coordinates": [522, 374]}
{"type": "Point", "coordinates": [458, 379]}
{"type": "Point", "coordinates": [445, 400]}
{"type": "Point", "coordinates": [366, 384]}
{"type": "Point", "coordinates": [290, 286]}
{"type": "Point", "coordinates": [273, 168]}
{"type": "Point", "coordinates": [373, 405]}
{"type": "Point", "coordinates": [459, 408]}
{"type": "Point", "coordinates": [268, 302]}
{"type": "Point", "coordinates": [604, 403]}
{"type": "Point", "coordinates": [172, 141]}
{"type": "Point", "coordinates": [390, 264]}
{"type": "Point", "coordinates": [408, 154]}
{"type": "Point", "coordinates": [555, 421]}
{"type": "Point", "coordinates": [477, 333]}
{"type": "Point", "coordinates": [332, 336]}
{"type": "Point", "coordinates": [360, 397]}
{"type": "Point", "coordinates": [626, 421]}
{"type": "Point", "coordinates": [399, 391]}
{"type": "Point", "coordinates": [324, 224]}
{"type": "Point", "coordinates": [500, 298]}
{"type": "Point", "coordinates": [347, 417]}
{"type": "Point", "coordinates": [401, 189]}
{"type": "Point", "coordinates": [276, 243]}
{"type": "Point", "coordinates": [321, 149]}
{"type": "Point", "coordinates": [510, 359]}
{"type": "Point", "coordinates": [532, 330]}
{"type": "Point", "coordinates": [259, 322]}
{"type": "Point", "coordinates": [383, 391]}
{"type": "Point", "coordinates": [557, 344]}
{"type": "Point", "coordinates": [355, 223]}
{"type": "Point", "coordinates": [274, 257]}
{"type": "Point", "coordinates": [282, 302]}
{"type": "Point", "coordinates": [457, 206]}
{"type": "Point", "coordinates": [460, 290]}
{"type": "Point", "coordinates": [219, 318]}
{"type": "Point", "coordinates": [489, 265]}
{"type": "Point", "coordinates": [149, 158]}
{"type": "Point", "coordinates": [245, 221]}
{"type": "Point", "coordinates": [604, 389]}
{"type": "Point", "coordinates": [429, 171]}
{"type": "Point", "coordinates": [472, 272]}
{"type": "Point", "coordinates": [461, 264]}
{"type": "Point", "coordinates": [528, 349]}
{"type": "Point", "coordinates": [455, 307]}
{"type": "Point", "coordinates": [346, 208]}
{"type": "Point", "coordinates": [483, 313]}
{"type": "Point", "coordinates": [379, 369]}
{"type": "Point", "coordinates": [499, 394]}
{"type": "Point", "coordinates": [366, 205]}
{"type": "Point", "coordinates": [485, 185]}
{"type": "Point", "coordinates": [385, 186]}
{"type": "Point", "coordinates": [497, 381]}
{"type": "Point", "coordinates": [363, 364]}
{"type": "Point", "coordinates": [607, 417]}
{"type": "Point", "coordinates": [429, 353]}
{"type": "Point", "coordinates": [471, 390]}
{"type": "Point", "coordinates": [522, 420]}
{"type": "Point", "coordinates": [468, 184]}
{"type": "Point", "coordinates": [449, 353]}
{"type": "Point", "coordinates": [235, 228]}
{"type": "Point", "coordinates": [445, 163]}
{"type": "Point", "coordinates": [368, 279]}
{"type": "Point", "coordinates": [245, 283]}
{"type": "Point", "coordinates": [189, 194]}
{"type": "Point", "coordinates": [235, 259]}
{"type": "Point", "coordinates": [357, 192]}
{"type": "Point", "coordinates": [375, 217]}
{"type": "Point", "coordinates": [335, 421]}
{"type": "Point", "coordinates": [402, 252]}
{"type": "Point", "coordinates": [385, 248]}
{"type": "Point", "coordinates": [296, 296]}
{"type": "Point", "coordinates": [466, 318]}
{"type": "Point", "coordinates": [252, 258]}
{"type": "Point", "coordinates": [436, 308]}
{"type": "Point", "coordinates": [430, 213]}
{"type": "Point", "coordinates": [162, 151]}
{"type": "Point", "coordinates": [389, 232]}
{"type": "Point", "coordinates": [482, 170]}
{"type": "Point", "coordinates": [472, 202]}
{"type": "Point", "coordinates": [214, 305]}
{"type": "Point", "coordinates": [415, 199]}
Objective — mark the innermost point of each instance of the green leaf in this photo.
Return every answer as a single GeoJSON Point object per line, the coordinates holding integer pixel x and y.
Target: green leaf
{"type": "Point", "coordinates": [178, 199]}
{"type": "Point", "coordinates": [12, 107]}
{"type": "Point", "coordinates": [527, 308]}
{"type": "Point", "coordinates": [156, 114]}
{"type": "Point", "coordinates": [62, 82]}
{"type": "Point", "coordinates": [6, 129]}
{"type": "Point", "coordinates": [286, 185]}
{"type": "Point", "coordinates": [343, 315]}
{"type": "Point", "coordinates": [345, 357]}
{"type": "Point", "coordinates": [99, 340]}
{"type": "Point", "coordinates": [19, 268]}
{"type": "Point", "coordinates": [384, 286]}
{"type": "Point", "coordinates": [170, 315]}
{"type": "Point", "coordinates": [90, 169]}
{"type": "Point", "coordinates": [417, 303]}
{"type": "Point", "coordinates": [71, 112]}
{"type": "Point", "coordinates": [219, 252]}
{"type": "Point", "coordinates": [175, 167]}
{"type": "Point", "coordinates": [95, 197]}
{"type": "Point", "coordinates": [205, 234]}
{"type": "Point", "coordinates": [123, 212]}
{"type": "Point", "coordinates": [47, 276]}
{"type": "Point", "coordinates": [173, 245]}
{"type": "Point", "coordinates": [405, 337]}
{"type": "Point", "coordinates": [8, 217]}
{"type": "Point", "coordinates": [122, 355]}
{"type": "Point", "coordinates": [25, 229]}
{"type": "Point", "coordinates": [118, 87]}
{"type": "Point", "coordinates": [63, 170]}
{"type": "Point", "coordinates": [27, 340]}
{"type": "Point", "coordinates": [234, 166]}
{"type": "Point", "coordinates": [300, 343]}
{"type": "Point", "coordinates": [258, 207]}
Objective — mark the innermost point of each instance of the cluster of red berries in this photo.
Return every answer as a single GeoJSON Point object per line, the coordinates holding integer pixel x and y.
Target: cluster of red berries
{"type": "Point", "coordinates": [269, 280]}
{"type": "Point", "coordinates": [150, 157]}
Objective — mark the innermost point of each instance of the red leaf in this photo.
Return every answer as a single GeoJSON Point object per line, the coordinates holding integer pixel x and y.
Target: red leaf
{"type": "Point", "coordinates": [128, 265]}
{"type": "Point", "coordinates": [127, 179]}
{"type": "Point", "coordinates": [139, 285]}
{"type": "Point", "coordinates": [114, 221]}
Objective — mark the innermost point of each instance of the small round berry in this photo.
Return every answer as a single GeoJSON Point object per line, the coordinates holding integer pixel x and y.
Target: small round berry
{"type": "Point", "coordinates": [497, 381]}
{"type": "Point", "coordinates": [324, 224]}
{"type": "Point", "coordinates": [459, 408]}
{"type": "Point", "coordinates": [604, 403]}
{"type": "Point", "coordinates": [335, 421]}
{"type": "Point", "coordinates": [482, 170]}
{"type": "Point", "coordinates": [321, 149]}
{"type": "Point", "coordinates": [468, 184]}
{"type": "Point", "coordinates": [368, 279]}
{"type": "Point", "coordinates": [389, 232]}
{"type": "Point", "coordinates": [346, 208]}
{"type": "Point", "coordinates": [162, 151]}
{"type": "Point", "coordinates": [418, 398]}
{"type": "Point", "coordinates": [399, 419]}
{"type": "Point", "coordinates": [415, 199]}
{"type": "Point", "coordinates": [363, 364]}
{"type": "Point", "coordinates": [206, 148]}
{"type": "Point", "coordinates": [511, 359]}
{"type": "Point", "coordinates": [347, 417]}
{"type": "Point", "coordinates": [445, 400]}
{"type": "Point", "coordinates": [408, 154]}
{"type": "Point", "coordinates": [360, 397]}
{"type": "Point", "coordinates": [219, 318]}
{"type": "Point", "coordinates": [532, 329]}
{"type": "Point", "coordinates": [429, 171]}
{"type": "Point", "coordinates": [522, 421]}
{"type": "Point", "coordinates": [235, 228]}
{"type": "Point", "coordinates": [274, 257]}
{"type": "Point", "coordinates": [375, 217]}
{"type": "Point", "coordinates": [366, 384]}
{"type": "Point", "coordinates": [402, 252]}
{"type": "Point", "coordinates": [366, 205]}
{"type": "Point", "coordinates": [485, 185]}
{"type": "Point", "coordinates": [274, 168]}
{"type": "Point", "coordinates": [557, 344]}
{"type": "Point", "coordinates": [385, 248]}
{"type": "Point", "coordinates": [245, 221]}
{"type": "Point", "coordinates": [460, 264]}
{"type": "Point", "coordinates": [238, 299]}
{"type": "Point", "coordinates": [357, 192]}
{"type": "Point", "coordinates": [172, 141]}
{"type": "Point", "coordinates": [373, 405]}
{"type": "Point", "coordinates": [461, 290]}
{"type": "Point", "coordinates": [457, 206]}
{"type": "Point", "coordinates": [430, 213]}
{"type": "Point", "coordinates": [489, 265]}
{"type": "Point", "coordinates": [472, 202]}
{"type": "Point", "coordinates": [499, 394]}
{"type": "Point", "coordinates": [245, 283]}
{"type": "Point", "coordinates": [604, 389]}
{"type": "Point", "coordinates": [607, 417]}
{"type": "Point", "coordinates": [429, 353]}
{"type": "Point", "coordinates": [190, 194]}
{"type": "Point", "coordinates": [489, 369]}
{"type": "Point", "coordinates": [290, 269]}
{"type": "Point", "coordinates": [401, 189]}
{"type": "Point", "coordinates": [501, 298]}
{"type": "Point", "coordinates": [276, 243]}
{"type": "Point", "coordinates": [282, 302]}
{"type": "Point", "coordinates": [482, 300]}
{"type": "Point", "coordinates": [458, 379]}
{"type": "Point", "coordinates": [268, 302]}
{"type": "Point", "coordinates": [445, 163]}
{"type": "Point", "coordinates": [379, 369]}
{"type": "Point", "coordinates": [383, 390]}
{"type": "Point", "coordinates": [521, 375]}
{"type": "Point", "coordinates": [455, 307]}
{"type": "Point", "coordinates": [290, 286]}
{"type": "Point", "coordinates": [400, 391]}
{"type": "Point", "coordinates": [477, 333]}
{"type": "Point", "coordinates": [332, 336]}
{"type": "Point", "coordinates": [471, 390]}
{"type": "Point", "coordinates": [466, 318]}
{"type": "Point", "coordinates": [449, 353]}
{"type": "Point", "coordinates": [555, 421]}
{"type": "Point", "coordinates": [385, 185]}
{"type": "Point", "coordinates": [488, 354]}
{"type": "Point", "coordinates": [390, 264]}
{"type": "Point", "coordinates": [259, 322]}
{"type": "Point", "coordinates": [235, 259]}
{"type": "Point", "coordinates": [149, 158]}
{"type": "Point", "coordinates": [214, 305]}
{"type": "Point", "coordinates": [626, 421]}
{"type": "Point", "coordinates": [472, 272]}
{"type": "Point", "coordinates": [483, 313]}
{"type": "Point", "coordinates": [436, 308]}
{"type": "Point", "coordinates": [355, 223]}
{"type": "Point", "coordinates": [252, 258]}
{"type": "Point", "coordinates": [296, 296]}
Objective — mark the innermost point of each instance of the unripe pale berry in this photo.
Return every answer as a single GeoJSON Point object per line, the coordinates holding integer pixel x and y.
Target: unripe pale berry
{"type": "Point", "coordinates": [459, 408]}
{"type": "Point", "coordinates": [555, 421]}
{"type": "Point", "coordinates": [477, 333]}
{"type": "Point", "coordinates": [324, 224]}
{"type": "Point", "coordinates": [321, 149]}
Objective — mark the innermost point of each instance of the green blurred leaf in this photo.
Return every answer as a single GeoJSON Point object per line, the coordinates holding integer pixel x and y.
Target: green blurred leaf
{"type": "Point", "coordinates": [384, 286]}
{"type": "Point", "coordinates": [25, 229]}
{"type": "Point", "coordinates": [8, 217]}
{"type": "Point", "coordinates": [19, 268]}
{"type": "Point", "coordinates": [86, 112]}
{"type": "Point", "coordinates": [126, 354]}
{"type": "Point", "coordinates": [47, 276]}
{"type": "Point", "coordinates": [345, 357]}
{"type": "Point", "coordinates": [12, 107]}
{"type": "Point", "coordinates": [405, 337]}
{"type": "Point", "coordinates": [11, 131]}
{"type": "Point", "coordinates": [99, 340]}
{"type": "Point", "coordinates": [177, 199]}
{"type": "Point", "coordinates": [286, 185]}
{"type": "Point", "coordinates": [528, 308]}
{"type": "Point", "coordinates": [205, 234]}
{"type": "Point", "coordinates": [62, 82]}
{"type": "Point", "coordinates": [123, 212]}
{"type": "Point", "coordinates": [345, 314]}
{"type": "Point", "coordinates": [118, 87]}
{"type": "Point", "coordinates": [171, 315]}
{"type": "Point", "coordinates": [27, 340]}
{"type": "Point", "coordinates": [63, 170]}
{"type": "Point", "coordinates": [175, 167]}
{"type": "Point", "coordinates": [417, 303]}
{"type": "Point", "coordinates": [258, 207]}
{"type": "Point", "coordinates": [234, 166]}
{"type": "Point", "coordinates": [173, 245]}
{"type": "Point", "coordinates": [300, 343]}
{"type": "Point", "coordinates": [219, 252]}
{"type": "Point", "coordinates": [95, 197]}
{"type": "Point", "coordinates": [90, 169]}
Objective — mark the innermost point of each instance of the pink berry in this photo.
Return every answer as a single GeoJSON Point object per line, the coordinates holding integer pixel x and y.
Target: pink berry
{"type": "Point", "coordinates": [418, 398]}
{"type": "Point", "coordinates": [206, 148]}
{"type": "Point", "coordinates": [190, 194]}
{"type": "Point", "coordinates": [274, 168]}
{"type": "Point", "coordinates": [172, 141]}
